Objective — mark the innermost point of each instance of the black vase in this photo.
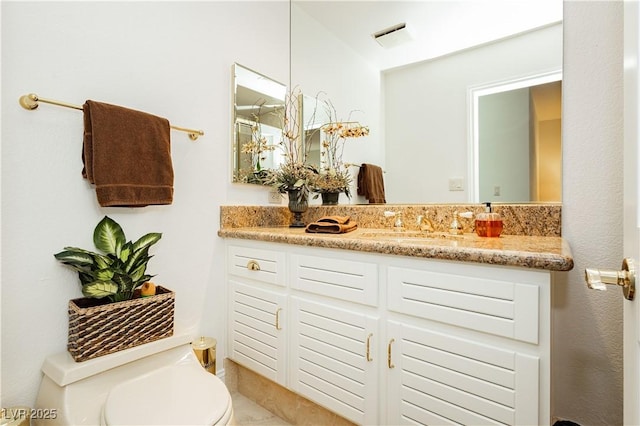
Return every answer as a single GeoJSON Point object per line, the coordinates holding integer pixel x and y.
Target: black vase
{"type": "Point", "coordinates": [330, 198]}
{"type": "Point", "coordinates": [298, 204]}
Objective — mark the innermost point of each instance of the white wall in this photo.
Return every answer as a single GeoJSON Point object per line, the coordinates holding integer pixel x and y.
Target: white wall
{"type": "Point", "coordinates": [426, 111]}
{"type": "Point", "coordinates": [171, 59]}
{"type": "Point", "coordinates": [587, 342]}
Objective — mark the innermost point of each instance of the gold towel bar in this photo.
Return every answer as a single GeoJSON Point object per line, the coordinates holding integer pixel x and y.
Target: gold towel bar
{"type": "Point", "coordinates": [30, 102]}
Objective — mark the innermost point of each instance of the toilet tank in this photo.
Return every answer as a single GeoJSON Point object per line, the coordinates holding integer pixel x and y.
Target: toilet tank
{"type": "Point", "coordinates": [78, 390]}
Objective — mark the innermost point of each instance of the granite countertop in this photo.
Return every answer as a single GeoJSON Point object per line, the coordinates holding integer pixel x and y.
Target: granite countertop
{"type": "Point", "coordinates": [537, 252]}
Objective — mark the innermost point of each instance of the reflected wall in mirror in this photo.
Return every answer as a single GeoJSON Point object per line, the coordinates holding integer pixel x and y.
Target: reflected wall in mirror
{"type": "Point", "coordinates": [314, 116]}
{"type": "Point", "coordinates": [517, 140]}
{"type": "Point", "coordinates": [258, 103]}
{"type": "Point", "coordinates": [423, 101]}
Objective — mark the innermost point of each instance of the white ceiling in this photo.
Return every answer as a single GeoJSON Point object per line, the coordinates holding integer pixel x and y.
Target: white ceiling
{"type": "Point", "coordinates": [437, 27]}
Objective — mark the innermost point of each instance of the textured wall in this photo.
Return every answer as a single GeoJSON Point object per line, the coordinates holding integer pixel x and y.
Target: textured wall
{"type": "Point", "coordinates": [587, 343]}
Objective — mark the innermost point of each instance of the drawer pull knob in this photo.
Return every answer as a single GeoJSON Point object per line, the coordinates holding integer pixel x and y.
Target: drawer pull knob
{"type": "Point", "coordinates": [253, 265]}
{"type": "Point", "coordinates": [278, 319]}
{"type": "Point", "coordinates": [369, 359]}
{"type": "Point", "coordinates": [389, 363]}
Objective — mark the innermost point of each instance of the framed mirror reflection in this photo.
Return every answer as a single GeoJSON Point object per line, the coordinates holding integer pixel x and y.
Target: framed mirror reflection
{"type": "Point", "coordinates": [258, 106]}
{"type": "Point", "coordinates": [417, 93]}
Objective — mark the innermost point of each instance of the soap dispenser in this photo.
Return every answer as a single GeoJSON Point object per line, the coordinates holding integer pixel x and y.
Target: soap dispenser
{"type": "Point", "coordinates": [488, 224]}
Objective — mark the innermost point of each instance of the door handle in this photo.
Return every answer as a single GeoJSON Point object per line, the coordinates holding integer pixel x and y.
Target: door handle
{"type": "Point", "coordinates": [278, 319]}
{"type": "Point", "coordinates": [369, 347]}
{"type": "Point", "coordinates": [598, 279]}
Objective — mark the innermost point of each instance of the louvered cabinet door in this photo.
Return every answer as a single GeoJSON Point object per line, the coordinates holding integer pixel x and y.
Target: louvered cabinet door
{"type": "Point", "coordinates": [257, 329]}
{"type": "Point", "coordinates": [332, 358]}
{"type": "Point", "coordinates": [438, 378]}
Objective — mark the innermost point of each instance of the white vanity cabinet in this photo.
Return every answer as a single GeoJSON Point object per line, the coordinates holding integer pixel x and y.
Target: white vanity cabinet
{"type": "Point", "coordinates": [257, 315]}
{"type": "Point", "coordinates": [467, 344]}
{"type": "Point", "coordinates": [334, 324]}
{"type": "Point", "coordinates": [385, 339]}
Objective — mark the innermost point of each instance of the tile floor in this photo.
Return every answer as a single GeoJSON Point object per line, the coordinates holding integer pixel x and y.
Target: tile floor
{"type": "Point", "coordinates": [248, 413]}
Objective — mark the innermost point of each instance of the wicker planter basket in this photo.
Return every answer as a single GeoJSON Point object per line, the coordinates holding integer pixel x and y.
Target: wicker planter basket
{"type": "Point", "coordinates": [96, 330]}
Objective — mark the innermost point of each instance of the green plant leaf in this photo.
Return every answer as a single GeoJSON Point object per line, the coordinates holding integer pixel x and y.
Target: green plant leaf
{"type": "Point", "coordinates": [109, 236]}
{"type": "Point", "coordinates": [99, 289]}
{"type": "Point", "coordinates": [102, 262]}
{"type": "Point", "coordinates": [85, 278]}
{"type": "Point", "coordinates": [77, 258]}
{"type": "Point", "coordinates": [125, 252]}
{"type": "Point", "coordinates": [123, 281]}
{"type": "Point", "coordinates": [103, 275]}
{"type": "Point", "coordinates": [146, 241]}
{"type": "Point", "coordinates": [138, 273]}
{"type": "Point", "coordinates": [138, 258]}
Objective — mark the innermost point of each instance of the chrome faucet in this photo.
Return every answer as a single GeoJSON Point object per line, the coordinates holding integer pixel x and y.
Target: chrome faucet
{"type": "Point", "coordinates": [424, 223]}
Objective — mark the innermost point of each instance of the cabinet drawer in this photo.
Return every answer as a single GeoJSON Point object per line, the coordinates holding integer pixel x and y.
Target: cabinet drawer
{"type": "Point", "coordinates": [476, 301]}
{"type": "Point", "coordinates": [349, 280]}
{"type": "Point", "coordinates": [257, 264]}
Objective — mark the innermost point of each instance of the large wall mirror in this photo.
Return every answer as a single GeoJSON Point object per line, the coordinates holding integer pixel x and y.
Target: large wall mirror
{"type": "Point", "coordinates": [422, 130]}
{"type": "Point", "coordinates": [258, 103]}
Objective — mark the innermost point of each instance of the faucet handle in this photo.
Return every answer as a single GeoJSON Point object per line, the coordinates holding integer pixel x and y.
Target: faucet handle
{"type": "Point", "coordinates": [398, 223]}
{"type": "Point", "coordinates": [456, 227]}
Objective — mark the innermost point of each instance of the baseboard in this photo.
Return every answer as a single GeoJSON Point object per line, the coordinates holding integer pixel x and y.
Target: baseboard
{"type": "Point", "coordinates": [280, 401]}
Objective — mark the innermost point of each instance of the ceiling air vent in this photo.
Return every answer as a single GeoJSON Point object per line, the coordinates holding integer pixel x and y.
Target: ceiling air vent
{"type": "Point", "coordinates": [393, 36]}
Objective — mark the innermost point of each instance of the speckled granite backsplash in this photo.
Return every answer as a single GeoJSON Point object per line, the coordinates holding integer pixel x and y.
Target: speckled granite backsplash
{"type": "Point", "coordinates": [519, 219]}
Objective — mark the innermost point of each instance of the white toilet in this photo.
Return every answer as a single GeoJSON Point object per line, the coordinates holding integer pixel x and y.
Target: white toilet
{"type": "Point", "coordinates": [159, 383]}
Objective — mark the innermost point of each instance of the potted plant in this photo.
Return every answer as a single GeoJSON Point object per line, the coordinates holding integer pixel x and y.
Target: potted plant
{"type": "Point", "coordinates": [115, 314]}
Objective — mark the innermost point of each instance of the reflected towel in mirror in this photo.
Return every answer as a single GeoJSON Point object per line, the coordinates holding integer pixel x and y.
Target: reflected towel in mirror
{"type": "Point", "coordinates": [371, 183]}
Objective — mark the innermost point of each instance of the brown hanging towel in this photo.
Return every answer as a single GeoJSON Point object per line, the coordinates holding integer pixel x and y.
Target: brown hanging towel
{"type": "Point", "coordinates": [127, 155]}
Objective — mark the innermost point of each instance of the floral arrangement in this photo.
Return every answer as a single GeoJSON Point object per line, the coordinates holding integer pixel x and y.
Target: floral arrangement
{"type": "Point", "coordinates": [332, 180]}
{"type": "Point", "coordinates": [258, 144]}
{"type": "Point", "coordinates": [334, 175]}
{"type": "Point", "coordinates": [294, 173]}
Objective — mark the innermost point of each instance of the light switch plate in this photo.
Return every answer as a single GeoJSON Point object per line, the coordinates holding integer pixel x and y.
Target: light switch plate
{"type": "Point", "coordinates": [456, 184]}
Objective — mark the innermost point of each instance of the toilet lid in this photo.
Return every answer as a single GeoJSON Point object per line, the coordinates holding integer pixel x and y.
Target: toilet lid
{"type": "Point", "coordinates": [174, 395]}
